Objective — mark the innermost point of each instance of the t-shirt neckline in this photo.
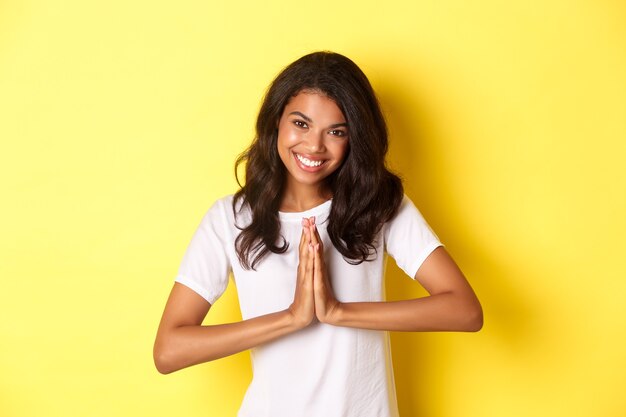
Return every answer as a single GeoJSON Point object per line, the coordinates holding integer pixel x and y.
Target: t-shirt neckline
{"type": "Point", "coordinates": [314, 211]}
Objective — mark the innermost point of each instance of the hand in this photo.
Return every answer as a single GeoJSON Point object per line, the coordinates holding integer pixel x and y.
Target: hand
{"type": "Point", "coordinates": [303, 306]}
{"type": "Point", "coordinates": [326, 305]}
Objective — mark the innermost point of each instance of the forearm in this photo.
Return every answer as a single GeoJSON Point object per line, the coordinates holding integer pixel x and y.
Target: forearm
{"type": "Point", "coordinates": [439, 312]}
{"type": "Point", "coordinates": [184, 346]}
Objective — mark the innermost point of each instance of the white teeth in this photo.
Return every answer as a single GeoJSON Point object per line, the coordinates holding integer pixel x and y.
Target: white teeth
{"type": "Point", "coordinates": [308, 162]}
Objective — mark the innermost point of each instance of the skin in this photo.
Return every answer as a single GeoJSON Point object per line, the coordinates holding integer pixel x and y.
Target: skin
{"type": "Point", "coordinates": [312, 126]}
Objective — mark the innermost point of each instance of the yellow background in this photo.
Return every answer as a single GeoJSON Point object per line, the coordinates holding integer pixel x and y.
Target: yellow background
{"type": "Point", "coordinates": [119, 125]}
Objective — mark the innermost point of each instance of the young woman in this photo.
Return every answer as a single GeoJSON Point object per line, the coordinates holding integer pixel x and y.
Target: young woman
{"type": "Point", "coordinates": [305, 238]}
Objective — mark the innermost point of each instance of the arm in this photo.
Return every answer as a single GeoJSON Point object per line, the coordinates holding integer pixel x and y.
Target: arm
{"type": "Point", "coordinates": [182, 341]}
{"type": "Point", "coordinates": [451, 305]}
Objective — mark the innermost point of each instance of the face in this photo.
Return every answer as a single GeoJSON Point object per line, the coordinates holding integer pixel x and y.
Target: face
{"type": "Point", "coordinates": [312, 139]}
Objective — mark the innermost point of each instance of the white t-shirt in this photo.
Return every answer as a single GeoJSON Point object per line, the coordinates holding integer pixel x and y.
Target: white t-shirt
{"type": "Point", "coordinates": [322, 370]}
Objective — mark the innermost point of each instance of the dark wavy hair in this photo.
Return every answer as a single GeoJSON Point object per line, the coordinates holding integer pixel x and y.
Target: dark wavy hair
{"type": "Point", "coordinates": [365, 193]}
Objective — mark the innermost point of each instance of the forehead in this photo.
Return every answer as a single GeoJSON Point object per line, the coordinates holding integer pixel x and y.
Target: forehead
{"type": "Point", "coordinates": [315, 105]}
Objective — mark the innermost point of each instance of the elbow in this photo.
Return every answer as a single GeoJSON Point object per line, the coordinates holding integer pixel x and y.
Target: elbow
{"type": "Point", "coordinates": [162, 359]}
{"type": "Point", "coordinates": [473, 318]}
{"type": "Point", "coordinates": [162, 365]}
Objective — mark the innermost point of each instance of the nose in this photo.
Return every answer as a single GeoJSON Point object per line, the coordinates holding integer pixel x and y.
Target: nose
{"type": "Point", "coordinates": [315, 142]}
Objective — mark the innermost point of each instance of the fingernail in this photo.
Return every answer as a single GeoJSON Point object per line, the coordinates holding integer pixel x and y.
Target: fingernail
{"type": "Point", "coordinates": [313, 219]}
{"type": "Point", "coordinates": [317, 246]}
{"type": "Point", "coordinates": [303, 221]}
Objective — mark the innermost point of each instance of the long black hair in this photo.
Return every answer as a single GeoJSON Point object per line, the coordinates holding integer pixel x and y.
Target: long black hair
{"type": "Point", "coordinates": [365, 193]}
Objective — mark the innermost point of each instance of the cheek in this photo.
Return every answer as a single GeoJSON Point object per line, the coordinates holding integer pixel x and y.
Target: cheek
{"type": "Point", "coordinates": [287, 138]}
{"type": "Point", "coordinates": [340, 150]}
{"type": "Point", "coordinates": [285, 142]}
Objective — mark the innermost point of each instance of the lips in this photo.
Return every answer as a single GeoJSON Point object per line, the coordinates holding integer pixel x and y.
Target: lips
{"type": "Point", "coordinates": [308, 163]}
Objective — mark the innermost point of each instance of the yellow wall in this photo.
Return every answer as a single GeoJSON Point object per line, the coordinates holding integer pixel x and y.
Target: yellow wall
{"type": "Point", "coordinates": [119, 124]}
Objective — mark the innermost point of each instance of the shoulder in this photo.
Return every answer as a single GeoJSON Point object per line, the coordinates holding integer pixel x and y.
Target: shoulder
{"type": "Point", "coordinates": [228, 211]}
{"type": "Point", "coordinates": [406, 202]}
{"type": "Point", "coordinates": [408, 217]}
{"type": "Point", "coordinates": [220, 210]}
{"type": "Point", "coordinates": [406, 206]}
{"type": "Point", "coordinates": [220, 204]}
{"type": "Point", "coordinates": [225, 201]}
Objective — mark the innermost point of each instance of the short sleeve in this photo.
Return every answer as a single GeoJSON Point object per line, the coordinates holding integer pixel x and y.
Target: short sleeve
{"type": "Point", "coordinates": [205, 266]}
{"type": "Point", "coordinates": [408, 238]}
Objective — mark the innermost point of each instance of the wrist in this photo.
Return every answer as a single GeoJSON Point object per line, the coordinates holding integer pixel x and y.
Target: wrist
{"type": "Point", "coordinates": [335, 314]}
{"type": "Point", "coordinates": [295, 321]}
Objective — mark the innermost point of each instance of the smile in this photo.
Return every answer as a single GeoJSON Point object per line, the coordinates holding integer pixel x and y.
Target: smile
{"type": "Point", "coordinates": [308, 162]}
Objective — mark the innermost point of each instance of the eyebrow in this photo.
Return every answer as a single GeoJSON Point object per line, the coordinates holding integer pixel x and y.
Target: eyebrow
{"type": "Point", "coordinates": [297, 113]}
{"type": "Point", "coordinates": [308, 119]}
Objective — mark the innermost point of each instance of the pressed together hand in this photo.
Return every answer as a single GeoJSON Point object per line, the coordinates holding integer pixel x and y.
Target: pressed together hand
{"type": "Point", "coordinates": [313, 296]}
{"type": "Point", "coordinates": [183, 341]}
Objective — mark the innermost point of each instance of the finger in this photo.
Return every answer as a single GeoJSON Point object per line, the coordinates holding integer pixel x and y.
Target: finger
{"type": "Point", "coordinates": [306, 225]}
{"type": "Point", "coordinates": [303, 244]}
{"type": "Point", "coordinates": [318, 238]}
{"type": "Point", "coordinates": [321, 278]}
{"type": "Point", "coordinates": [302, 238]}
{"type": "Point", "coordinates": [314, 235]}
{"type": "Point", "coordinates": [303, 249]}
{"type": "Point", "coordinates": [306, 232]}
{"type": "Point", "coordinates": [308, 271]}
{"type": "Point", "coordinates": [317, 264]}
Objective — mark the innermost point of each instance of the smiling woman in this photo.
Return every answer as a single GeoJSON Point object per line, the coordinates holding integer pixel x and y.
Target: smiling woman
{"type": "Point", "coordinates": [312, 144]}
{"type": "Point", "coordinates": [305, 239]}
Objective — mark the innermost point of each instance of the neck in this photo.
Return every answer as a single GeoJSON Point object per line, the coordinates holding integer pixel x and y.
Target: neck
{"type": "Point", "coordinates": [303, 197]}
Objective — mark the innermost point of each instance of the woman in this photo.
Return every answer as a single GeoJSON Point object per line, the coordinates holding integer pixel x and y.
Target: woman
{"type": "Point", "coordinates": [304, 239]}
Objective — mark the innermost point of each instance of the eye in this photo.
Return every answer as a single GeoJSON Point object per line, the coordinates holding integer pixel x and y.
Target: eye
{"type": "Point", "coordinates": [338, 132]}
{"type": "Point", "coordinates": [300, 123]}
